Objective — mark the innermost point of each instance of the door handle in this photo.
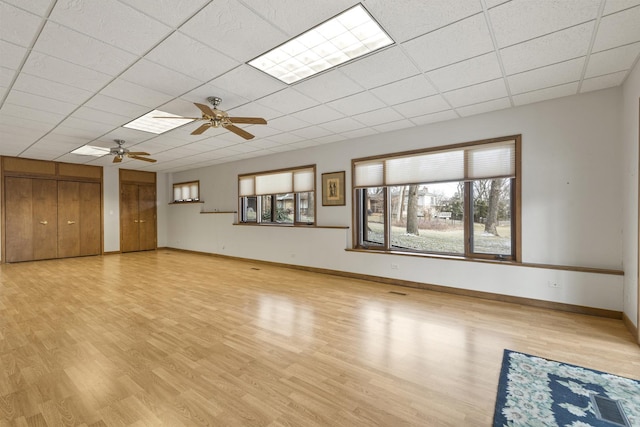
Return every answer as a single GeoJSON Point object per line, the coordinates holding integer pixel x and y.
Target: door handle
{"type": "Point", "coordinates": [70, 222]}
{"type": "Point", "coordinates": [44, 222]}
{"type": "Point", "coordinates": [135, 220]}
{"type": "Point", "coordinates": [142, 220]}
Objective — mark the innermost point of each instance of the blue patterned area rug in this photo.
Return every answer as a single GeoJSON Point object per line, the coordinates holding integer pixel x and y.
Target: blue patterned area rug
{"type": "Point", "coordinates": [539, 392]}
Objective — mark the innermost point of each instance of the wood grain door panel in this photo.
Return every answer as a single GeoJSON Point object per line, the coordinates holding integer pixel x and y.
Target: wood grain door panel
{"type": "Point", "coordinates": [129, 225]}
{"type": "Point", "coordinates": [90, 218]}
{"type": "Point", "coordinates": [147, 216]}
{"type": "Point", "coordinates": [18, 219]}
{"type": "Point", "coordinates": [68, 219]}
{"type": "Point", "coordinates": [45, 218]}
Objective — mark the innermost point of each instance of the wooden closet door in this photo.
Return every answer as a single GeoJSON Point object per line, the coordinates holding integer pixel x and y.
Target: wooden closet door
{"type": "Point", "coordinates": [129, 225]}
{"type": "Point", "coordinates": [68, 219]}
{"type": "Point", "coordinates": [90, 218]}
{"type": "Point", "coordinates": [45, 218]}
{"type": "Point", "coordinates": [18, 219]}
{"type": "Point", "coordinates": [147, 216]}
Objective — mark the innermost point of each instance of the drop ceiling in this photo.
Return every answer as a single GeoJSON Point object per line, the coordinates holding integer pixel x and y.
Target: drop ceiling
{"type": "Point", "coordinates": [72, 72]}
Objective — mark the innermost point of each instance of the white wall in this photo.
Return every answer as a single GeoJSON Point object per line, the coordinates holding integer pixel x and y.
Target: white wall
{"type": "Point", "coordinates": [631, 97]}
{"type": "Point", "coordinates": [571, 203]}
{"type": "Point", "coordinates": [111, 198]}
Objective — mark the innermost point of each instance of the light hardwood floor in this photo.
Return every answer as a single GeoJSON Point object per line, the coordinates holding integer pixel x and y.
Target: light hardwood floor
{"type": "Point", "coordinates": [174, 338]}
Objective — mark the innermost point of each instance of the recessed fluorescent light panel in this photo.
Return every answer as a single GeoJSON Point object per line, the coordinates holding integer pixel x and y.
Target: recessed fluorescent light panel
{"type": "Point", "coordinates": [90, 150]}
{"type": "Point", "coordinates": [148, 123]}
{"type": "Point", "coordinates": [344, 37]}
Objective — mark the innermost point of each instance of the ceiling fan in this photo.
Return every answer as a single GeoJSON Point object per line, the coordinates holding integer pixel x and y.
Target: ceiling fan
{"type": "Point", "coordinates": [120, 152]}
{"type": "Point", "coordinates": [215, 118]}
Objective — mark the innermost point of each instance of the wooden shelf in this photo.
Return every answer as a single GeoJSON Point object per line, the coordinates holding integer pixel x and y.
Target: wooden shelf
{"type": "Point", "coordinates": [186, 203]}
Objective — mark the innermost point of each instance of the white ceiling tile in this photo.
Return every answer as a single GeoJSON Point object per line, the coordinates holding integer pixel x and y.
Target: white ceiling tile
{"type": "Point", "coordinates": [285, 138]}
{"type": "Point", "coordinates": [422, 106]}
{"type": "Point", "coordinates": [412, 18]}
{"type": "Point", "coordinates": [477, 93]}
{"type": "Point", "coordinates": [11, 55]}
{"type": "Point", "coordinates": [391, 126]}
{"type": "Point", "coordinates": [36, 102]}
{"type": "Point", "coordinates": [618, 29]}
{"type": "Point", "coordinates": [484, 107]}
{"type": "Point", "coordinates": [476, 70]}
{"type": "Point", "coordinates": [36, 115]}
{"type": "Point", "coordinates": [297, 16]}
{"type": "Point", "coordinates": [494, 3]}
{"type": "Point", "coordinates": [170, 12]}
{"type": "Point", "coordinates": [263, 144]}
{"type": "Point", "coordinates": [39, 7]}
{"type": "Point", "coordinates": [64, 72]}
{"type": "Point", "coordinates": [603, 82]}
{"type": "Point", "coordinates": [612, 6]}
{"type": "Point", "coordinates": [248, 82]}
{"type": "Point", "coordinates": [153, 76]}
{"type": "Point", "coordinates": [188, 56]}
{"type": "Point", "coordinates": [328, 86]}
{"type": "Point", "coordinates": [116, 106]}
{"type": "Point", "coordinates": [550, 49]}
{"type": "Point", "coordinates": [404, 90]}
{"type": "Point", "coordinates": [378, 117]}
{"type": "Point", "coordinates": [551, 75]}
{"type": "Point", "coordinates": [6, 76]}
{"type": "Point", "coordinates": [544, 94]}
{"type": "Point", "coordinates": [329, 139]}
{"type": "Point", "coordinates": [254, 110]}
{"type": "Point", "coordinates": [343, 125]}
{"type": "Point", "coordinates": [520, 20]}
{"type": "Point", "coordinates": [25, 122]}
{"type": "Point", "coordinates": [356, 104]}
{"type": "Point", "coordinates": [318, 114]}
{"type": "Point", "coordinates": [287, 101]}
{"type": "Point", "coordinates": [131, 92]}
{"type": "Point", "coordinates": [81, 128]}
{"type": "Point", "coordinates": [359, 133]}
{"type": "Point", "coordinates": [282, 148]}
{"type": "Point", "coordinates": [261, 131]}
{"type": "Point", "coordinates": [435, 117]}
{"type": "Point", "coordinates": [610, 61]}
{"type": "Point", "coordinates": [18, 26]}
{"type": "Point", "coordinates": [112, 22]}
{"type": "Point", "coordinates": [182, 107]}
{"type": "Point", "coordinates": [77, 48]}
{"type": "Point", "coordinates": [287, 123]}
{"type": "Point", "coordinates": [382, 67]}
{"type": "Point", "coordinates": [454, 43]}
{"type": "Point", "coordinates": [21, 131]}
{"type": "Point", "coordinates": [131, 136]}
{"type": "Point", "coordinates": [48, 89]}
{"type": "Point", "coordinates": [86, 113]}
{"type": "Point", "coordinates": [245, 34]}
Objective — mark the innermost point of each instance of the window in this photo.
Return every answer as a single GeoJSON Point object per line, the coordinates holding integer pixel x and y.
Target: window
{"type": "Point", "coordinates": [186, 192]}
{"type": "Point", "coordinates": [284, 196]}
{"type": "Point", "coordinates": [460, 200]}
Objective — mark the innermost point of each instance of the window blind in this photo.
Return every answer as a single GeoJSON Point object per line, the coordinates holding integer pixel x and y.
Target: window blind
{"type": "Point", "coordinates": [492, 160]}
{"type": "Point", "coordinates": [293, 181]}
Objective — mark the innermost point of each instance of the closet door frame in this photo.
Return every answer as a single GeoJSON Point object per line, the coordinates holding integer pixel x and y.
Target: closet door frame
{"type": "Point", "coordinates": [138, 178]}
{"type": "Point", "coordinates": [19, 167]}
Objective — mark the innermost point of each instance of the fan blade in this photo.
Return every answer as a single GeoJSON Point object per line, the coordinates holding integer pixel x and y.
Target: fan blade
{"type": "Point", "coordinates": [138, 153]}
{"type": "Point", "coordinates": [117, 159]}
{"type": "Point", "coordinates": [206, 110]}
{"type": "Point", "coordinates": [201, 129]}
{"type": "Point", "coordinates": [238, 131]}
{"type": "Point", "coordinates": [181, 118]}
{"type": "Point", "coordinates": [249, 120]}
{"type": "Point", "coordinates": [142, 158]}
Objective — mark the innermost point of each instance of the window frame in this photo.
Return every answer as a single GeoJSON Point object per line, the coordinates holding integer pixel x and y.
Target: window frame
{"type": "Point", "coordinates": [358, 210]}
{"type": "Point", "coordinates": [187, 184]}
{"type": "Point", "coordinates": [296, 204]}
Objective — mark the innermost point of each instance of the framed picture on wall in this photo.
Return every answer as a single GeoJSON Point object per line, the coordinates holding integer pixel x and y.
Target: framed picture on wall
{"type": "Point", "coordinates": [333, 189]}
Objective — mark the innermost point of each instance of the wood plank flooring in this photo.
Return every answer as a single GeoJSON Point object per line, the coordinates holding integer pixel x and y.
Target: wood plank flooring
{"type": "Point", "coordinates": [169, 338]}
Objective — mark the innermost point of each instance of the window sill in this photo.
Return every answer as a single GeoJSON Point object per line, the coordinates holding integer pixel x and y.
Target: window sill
{"type": "Point", "coordinates": [218, 212]}
{"type": "Point", "coordinates": [493, 261]}
{"type": "Point", "coordinates": [253, 224]}
{"type": "Point", "coordinates": [186, 203]}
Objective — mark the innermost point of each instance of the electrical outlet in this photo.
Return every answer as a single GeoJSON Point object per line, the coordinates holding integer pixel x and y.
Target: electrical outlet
{"type": "Point", "coordinates": [553, 284]}
{"type": "Point", "coordinates": [394, 266]}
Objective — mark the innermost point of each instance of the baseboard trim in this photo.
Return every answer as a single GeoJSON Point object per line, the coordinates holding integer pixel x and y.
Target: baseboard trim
{"type": "Point", "coordinates": [111, 253]}
{"type": "Point", "coordinates": [591, 311]}
{"type": "Point", "coordinates": [631, 327]}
